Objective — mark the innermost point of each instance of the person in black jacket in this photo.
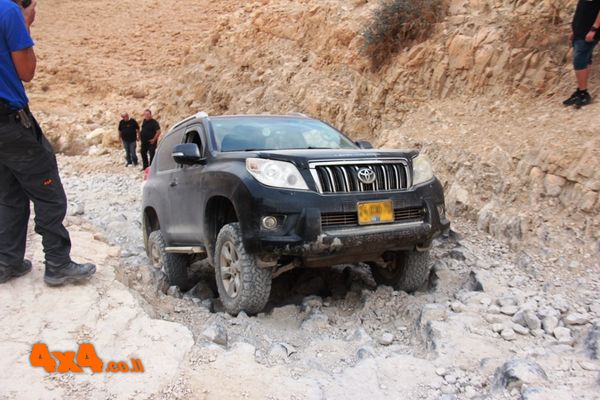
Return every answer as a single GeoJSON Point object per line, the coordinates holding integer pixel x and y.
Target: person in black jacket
{"type": "Point", "coordinates": [129, 131]}
{"type": "Point", "coordinates": [149, 138]}
{"type": "Point", "coordinates": [584, 37]}
{"type": "Point", "coordinates": [28, 169]}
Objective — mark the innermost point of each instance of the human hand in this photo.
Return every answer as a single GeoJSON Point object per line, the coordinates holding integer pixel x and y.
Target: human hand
{"type": "Point", "coordinates": [590, 36]}
{"type": "Point", "coordinates": [29, 13]}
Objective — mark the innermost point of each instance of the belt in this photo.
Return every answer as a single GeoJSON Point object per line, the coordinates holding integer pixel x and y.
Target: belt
{"type": "Point", "coordinates": [22, 116]}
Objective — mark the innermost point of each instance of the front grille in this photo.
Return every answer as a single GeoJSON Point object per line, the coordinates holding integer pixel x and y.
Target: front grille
{"type": "Point", "coordinates": [344, 178]}
{"type": "Point", "coordinates": [351, 218]}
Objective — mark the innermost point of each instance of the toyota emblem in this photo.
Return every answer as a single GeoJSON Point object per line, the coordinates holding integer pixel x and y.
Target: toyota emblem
{"type": "Point", "coordinates": [366, 175]}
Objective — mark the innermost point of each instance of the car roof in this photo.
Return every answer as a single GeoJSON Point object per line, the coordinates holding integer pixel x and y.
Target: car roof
{"type": "Point", "coordinates": [236, 116]}
{"type": "Point", "coordinates": [203, 115]}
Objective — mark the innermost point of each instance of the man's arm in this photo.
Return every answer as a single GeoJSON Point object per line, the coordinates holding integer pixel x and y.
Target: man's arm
{"type": "Point", "coordinates": [592, 33]}
{"type": "Point", "coordinates": [25, 63]}
{"type": "Point", "coordinates": [24, 59]}
{"type": "Point", "coordinates": [156, 136]}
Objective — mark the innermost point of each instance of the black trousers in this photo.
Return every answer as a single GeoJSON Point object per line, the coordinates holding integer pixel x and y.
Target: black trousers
{"type": "Point", "coordinates": [28, 173]}
{"type": "Point", "coordinates": [147, 151]}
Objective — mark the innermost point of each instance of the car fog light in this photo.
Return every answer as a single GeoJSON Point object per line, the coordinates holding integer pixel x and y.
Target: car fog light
{"type": "Point", "coordinates": [269, 223]}
{"type": "Point", "coordinates": [441, 211]}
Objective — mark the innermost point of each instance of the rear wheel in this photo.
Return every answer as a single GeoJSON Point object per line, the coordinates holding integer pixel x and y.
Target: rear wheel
{"type": "Point", "coordinates": [175, 266]}
{"type": "Point", "coordinates": [403, 270]}
{"type": "Point", "coordinates": [243, 286]}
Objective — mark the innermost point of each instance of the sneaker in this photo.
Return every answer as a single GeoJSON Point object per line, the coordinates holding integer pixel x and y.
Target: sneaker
{"type": "Point", "coordinates": [573, 99]}
{"type": "Point", "coordinates": [583, 100]}
{"type": "Point", "coordinates": [70, 272]}
{"type": "Point", "coordinates": [128, 165]}
{"type": "Point", "coordinates": [9, 272]}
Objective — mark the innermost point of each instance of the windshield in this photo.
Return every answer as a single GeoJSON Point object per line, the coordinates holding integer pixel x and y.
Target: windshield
{"type": "Point", "coordinates": [276, 133]}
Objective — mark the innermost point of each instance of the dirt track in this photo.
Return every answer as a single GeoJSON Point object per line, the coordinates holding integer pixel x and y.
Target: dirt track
{"type": "Point", "coordinates": [324, 334]}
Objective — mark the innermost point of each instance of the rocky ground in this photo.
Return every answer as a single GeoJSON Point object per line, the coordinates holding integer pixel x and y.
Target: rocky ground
{"type": "Point", "coordinates": [491, 323]}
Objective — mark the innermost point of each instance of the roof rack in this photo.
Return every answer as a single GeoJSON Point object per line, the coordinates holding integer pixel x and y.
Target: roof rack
{"type": "Point", "coordinates": [198, 115]}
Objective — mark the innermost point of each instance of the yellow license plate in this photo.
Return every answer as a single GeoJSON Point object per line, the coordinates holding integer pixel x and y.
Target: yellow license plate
{"type": "Point", "coordinates": [375, 212]}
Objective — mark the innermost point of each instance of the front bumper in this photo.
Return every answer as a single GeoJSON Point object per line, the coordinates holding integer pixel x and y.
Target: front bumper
{"type": "Point", "coordinates": [301, 232]}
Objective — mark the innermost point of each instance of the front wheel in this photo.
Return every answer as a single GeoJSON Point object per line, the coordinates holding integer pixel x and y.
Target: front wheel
{"type": "Point", "coordinates": [403, 270]}
{"type": "Point", "coordinates": [243, 286]}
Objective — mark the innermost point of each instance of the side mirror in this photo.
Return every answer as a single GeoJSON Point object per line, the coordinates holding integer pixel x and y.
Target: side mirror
{"type": "Point", "coordinates": [364, 144]}
{"type": "Point", "coordinates": [188, 154]}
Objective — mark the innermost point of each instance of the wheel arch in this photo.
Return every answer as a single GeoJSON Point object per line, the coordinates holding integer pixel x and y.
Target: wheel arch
{"type": "Point", "coordinates": [219, 212]}
{"type": "Point", "coordinates": [150, 223]}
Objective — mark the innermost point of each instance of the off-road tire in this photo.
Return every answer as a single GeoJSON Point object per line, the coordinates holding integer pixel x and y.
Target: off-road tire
{"type": "Point", "coordinates": [254, 283]}
{"type": "Point", "coordinates": [407, 271]}
{"type": "Point", "coordinates": [175, 266]}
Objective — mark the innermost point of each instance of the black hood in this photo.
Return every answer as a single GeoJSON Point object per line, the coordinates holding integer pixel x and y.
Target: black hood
{"type": "Point", "coordinates": [302, 157]}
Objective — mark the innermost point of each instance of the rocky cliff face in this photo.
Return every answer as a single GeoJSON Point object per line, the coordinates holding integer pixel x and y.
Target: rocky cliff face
{"type": "Point", "coordinates": [278, 56]}
{"type": "Point", "coordinates": [477, 90]}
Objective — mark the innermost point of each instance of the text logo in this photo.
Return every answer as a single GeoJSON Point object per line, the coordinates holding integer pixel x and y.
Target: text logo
{"type": "Point", "coordinates": [86, 357]}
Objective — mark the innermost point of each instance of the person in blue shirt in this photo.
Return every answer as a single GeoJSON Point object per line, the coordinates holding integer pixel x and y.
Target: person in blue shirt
{"type": "Point", "coordinates": [28, 169]}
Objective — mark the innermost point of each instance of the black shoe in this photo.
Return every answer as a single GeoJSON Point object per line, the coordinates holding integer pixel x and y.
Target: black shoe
{"type": "Point", "coordinates": [9, 272]}
{"type": "Point", "coordinates": [583, 100]}
{"type": "Point", "coordinates": [68, 273]}
{"type": "Point", "coordinates": [573, 99]}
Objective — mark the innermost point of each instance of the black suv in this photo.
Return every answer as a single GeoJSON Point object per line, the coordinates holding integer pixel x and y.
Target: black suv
{"type": "Point", "coordinates": [259, 195]}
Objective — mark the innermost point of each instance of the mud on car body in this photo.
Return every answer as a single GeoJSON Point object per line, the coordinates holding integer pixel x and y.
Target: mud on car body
{"type": "Point", "coordinates": [261, 195]}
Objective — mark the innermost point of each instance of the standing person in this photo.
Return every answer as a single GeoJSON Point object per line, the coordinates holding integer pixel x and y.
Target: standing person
{"type": "Point", "coordinates": [149, 138]}
{"type": "Point", "coordinates": [28, 170]}
{"type": "Point", "coordinates": [584, 37]}
{"type": "Point", "coordinates": [129, 131]}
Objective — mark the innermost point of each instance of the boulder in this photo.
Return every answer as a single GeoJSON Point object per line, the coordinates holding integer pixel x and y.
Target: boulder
{"type": "Point", "coordinates": [216, 333]}
{"type": "Point", "coordinates": [516, 373]}
{"type": "Point", "coordinates": [553, 184]}
{"type": "Point", "coordinates": [592, 341]}
{"type": "Point", "coordinates": [458, 199]}
{"type": "Point", "coordinates": [386, 339]}
{"type": "Point", "coordinates": [549, 324]}
{"type": "Point", "coordinates": [202, 291]}
{"type": "Point", "coordinates": [576, 319]}
{"type": "Point", "coordinates": [563, 335]}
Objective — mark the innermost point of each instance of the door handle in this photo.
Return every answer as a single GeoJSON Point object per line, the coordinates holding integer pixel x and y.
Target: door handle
{"type": "Point", "coordinates": [173, 183]}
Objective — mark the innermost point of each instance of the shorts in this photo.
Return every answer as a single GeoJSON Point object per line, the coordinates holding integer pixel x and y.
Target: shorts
{"type": "Point", "coordinates": [582, 53]}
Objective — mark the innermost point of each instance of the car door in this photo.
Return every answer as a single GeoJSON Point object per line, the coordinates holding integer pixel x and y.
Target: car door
{"type": "Point", "coordinates": [187, 195]}
{"type": "Point", "coordinates": [167, 172]}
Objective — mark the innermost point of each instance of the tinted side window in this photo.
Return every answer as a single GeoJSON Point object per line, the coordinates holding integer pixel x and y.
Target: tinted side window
{"type": "Point", "coordinates": [165, 150]}
{"type": "Point", "coordinates": [194, 137]}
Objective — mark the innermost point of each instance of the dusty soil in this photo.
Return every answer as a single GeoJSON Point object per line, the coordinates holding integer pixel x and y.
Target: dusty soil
{"type": "Point", "coordinates": [511, 309]}
{"type": "Point", "coordinates": [325, 333]}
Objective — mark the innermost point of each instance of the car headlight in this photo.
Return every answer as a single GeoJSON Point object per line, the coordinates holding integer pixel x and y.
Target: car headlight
{"type": "Point", "coordinates": [422, 171]}
{"type": "Point", "coordinates": [273, 173]}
